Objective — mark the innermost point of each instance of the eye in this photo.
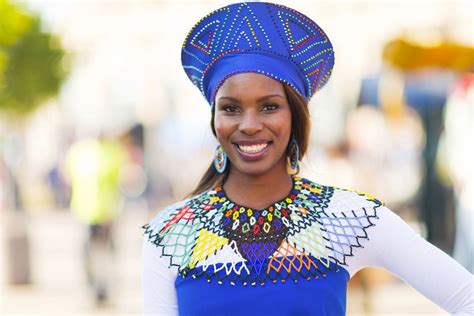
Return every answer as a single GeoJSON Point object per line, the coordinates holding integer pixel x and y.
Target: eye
{"type": "Point", "coordinates": [229, 108]}
{"type": "Point", "coordinates": [270, 107]}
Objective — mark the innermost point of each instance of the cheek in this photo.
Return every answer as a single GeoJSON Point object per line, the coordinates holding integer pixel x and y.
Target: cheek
{"type": "Point", "coordinates": [283, 126]}
{"type": "Point", "coordinates": [222, 126]}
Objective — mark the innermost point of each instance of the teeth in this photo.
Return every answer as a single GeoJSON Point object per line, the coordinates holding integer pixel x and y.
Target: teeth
{"type": "Point", "coordinates": [253, 148]}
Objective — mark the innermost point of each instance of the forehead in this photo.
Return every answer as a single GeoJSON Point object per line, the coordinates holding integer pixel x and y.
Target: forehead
{"type": "Point", "coordinates": [250, 84]}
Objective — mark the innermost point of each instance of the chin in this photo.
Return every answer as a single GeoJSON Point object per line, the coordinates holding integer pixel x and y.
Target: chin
{"type": "Point", "coordinates": [253, 171]}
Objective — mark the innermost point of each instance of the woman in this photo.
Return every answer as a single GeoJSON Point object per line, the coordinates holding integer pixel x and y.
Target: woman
{"type": "Point", "coordinates": [254, 238]}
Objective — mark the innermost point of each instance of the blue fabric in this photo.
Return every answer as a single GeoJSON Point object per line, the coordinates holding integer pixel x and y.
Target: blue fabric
{"type": "Point", "coordinates": [260, 37]}
{"type": "Point", "coordinates": [325, 296]}
{"type": "Point", "coordinates": [264, 63]}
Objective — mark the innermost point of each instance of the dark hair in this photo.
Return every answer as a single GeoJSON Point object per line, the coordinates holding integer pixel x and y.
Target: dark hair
{"type": "Point", "coordinates": [300, 127]}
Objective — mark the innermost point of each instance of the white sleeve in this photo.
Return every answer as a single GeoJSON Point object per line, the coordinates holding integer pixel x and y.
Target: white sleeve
{"type": "Point", "coordinates": [395, 246]}
{"type": "Point", "coordinates": [159, 293]}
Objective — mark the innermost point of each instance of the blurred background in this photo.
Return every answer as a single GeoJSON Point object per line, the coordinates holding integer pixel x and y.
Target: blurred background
{"type": "Point", "coordinates": [96, 114]}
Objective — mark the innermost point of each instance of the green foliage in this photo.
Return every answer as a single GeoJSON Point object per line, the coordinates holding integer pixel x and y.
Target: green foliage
{"type": "Point", "coordinates": [32, 60]}
{"type": "Point", "coordinates": [13, 25]}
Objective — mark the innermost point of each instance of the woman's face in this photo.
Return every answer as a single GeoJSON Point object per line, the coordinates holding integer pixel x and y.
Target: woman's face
{"type": "Point", "coordinates": [253, 122]}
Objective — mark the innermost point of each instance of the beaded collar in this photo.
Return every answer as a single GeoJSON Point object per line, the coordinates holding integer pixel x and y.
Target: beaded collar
{"type": "Point", "coordinates": [307, 234]}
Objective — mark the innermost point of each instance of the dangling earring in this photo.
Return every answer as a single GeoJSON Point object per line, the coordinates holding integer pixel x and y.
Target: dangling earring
{"type": "Point", "coordinates": [294, 156]}
{"type": "Point", "coordinates": [220, 159]}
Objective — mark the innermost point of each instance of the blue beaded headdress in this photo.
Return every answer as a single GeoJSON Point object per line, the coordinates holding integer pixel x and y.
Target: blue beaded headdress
{"type": "Point", "coordinates": [259, 37]}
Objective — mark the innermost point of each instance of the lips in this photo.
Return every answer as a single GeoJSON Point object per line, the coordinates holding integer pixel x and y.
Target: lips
{"type": "Point", "coordinates": [252, 149]}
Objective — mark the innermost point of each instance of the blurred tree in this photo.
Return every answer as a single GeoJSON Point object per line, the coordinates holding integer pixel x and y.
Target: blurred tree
{"type": "Point", "coordinates": [31, 67]}
{"type": "Point", "coordinates": [31, 71]}
{"type": "Point", "coordinates": [13, 24]}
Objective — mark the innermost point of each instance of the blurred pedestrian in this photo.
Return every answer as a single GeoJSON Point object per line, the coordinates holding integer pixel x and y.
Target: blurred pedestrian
{"type": "Point", "coordinates": [58, 185]}
{"type": "Point", "coordinates": [93, 167]}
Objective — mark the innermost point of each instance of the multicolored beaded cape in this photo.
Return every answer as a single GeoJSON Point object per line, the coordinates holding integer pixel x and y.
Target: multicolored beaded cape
{"type": "Point", "coordinates": [306, 235]}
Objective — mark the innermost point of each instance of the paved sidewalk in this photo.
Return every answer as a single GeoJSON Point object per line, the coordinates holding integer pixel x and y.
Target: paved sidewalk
{"type": "Point", "coordinates": [59, 286]}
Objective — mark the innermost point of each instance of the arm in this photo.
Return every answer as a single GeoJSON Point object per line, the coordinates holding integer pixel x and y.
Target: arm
{"type": "Point", "coordinates": [393, 245]}
{"type": "Point", "coordinates": [159, 293]}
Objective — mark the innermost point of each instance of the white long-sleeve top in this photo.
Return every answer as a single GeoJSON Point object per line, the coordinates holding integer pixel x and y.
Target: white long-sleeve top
{"type": "Point", "coordinates": [206, 255]}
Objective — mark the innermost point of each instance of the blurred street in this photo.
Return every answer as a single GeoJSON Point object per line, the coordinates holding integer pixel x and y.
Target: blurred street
{"type": "Point", "coordinates": [59, 286]}
{"type": "Point", "coordinates": [99, 117]}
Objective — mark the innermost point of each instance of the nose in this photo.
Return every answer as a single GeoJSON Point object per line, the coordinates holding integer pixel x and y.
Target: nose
{"type": "Point", "coordinates": [250, 123]}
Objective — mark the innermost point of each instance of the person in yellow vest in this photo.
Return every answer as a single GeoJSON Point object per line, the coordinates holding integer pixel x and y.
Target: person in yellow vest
{"type": "Point", "coordinates": [93, 167]}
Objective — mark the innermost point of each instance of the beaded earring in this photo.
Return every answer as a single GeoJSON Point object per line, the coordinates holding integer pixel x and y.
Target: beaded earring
{"type": "Point", "coordinates": [220, 159]}
{"type": "Point", "coordinates": [294, 156]}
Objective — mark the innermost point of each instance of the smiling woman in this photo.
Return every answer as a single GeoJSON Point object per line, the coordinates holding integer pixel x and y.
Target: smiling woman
{"type": "Point", "coordinates": [253, 125]}
{"type": "Point", "coordinates": [275, 99]}
{"type": "Point", "coordinates": [254, 238]}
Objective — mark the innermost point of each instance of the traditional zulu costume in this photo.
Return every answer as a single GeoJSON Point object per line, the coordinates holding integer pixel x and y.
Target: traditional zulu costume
{"type": "Point", "coordinates": [208, 255]}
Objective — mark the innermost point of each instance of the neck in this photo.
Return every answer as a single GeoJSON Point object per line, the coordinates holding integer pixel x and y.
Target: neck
{"type": "Point", "coordinates": [258, 191]}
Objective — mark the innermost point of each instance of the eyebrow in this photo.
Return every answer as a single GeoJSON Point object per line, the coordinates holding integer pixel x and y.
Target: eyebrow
{"type": "Point", "coordinates": [258, 100]}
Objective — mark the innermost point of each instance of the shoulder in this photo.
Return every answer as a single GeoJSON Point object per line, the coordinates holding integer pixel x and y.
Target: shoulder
{"type": "Point", "coordinates": [334, 200]}
{"type": "Point", "coordinates": [174, 231]}
{"type": "Point", "coordinates": [174, 214]}
{"type": "Point", "coordinates": [347, 220]}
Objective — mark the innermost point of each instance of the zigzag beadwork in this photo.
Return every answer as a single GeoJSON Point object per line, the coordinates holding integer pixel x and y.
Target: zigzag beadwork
{"type": "Point", "coordinates": [300, 236]}
{"type": "Point", "coordinates": [210, 31]}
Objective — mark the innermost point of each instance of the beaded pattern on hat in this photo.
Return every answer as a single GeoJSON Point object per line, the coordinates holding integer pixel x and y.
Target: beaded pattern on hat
{"type": "Point", "coordinates": [276, 29]}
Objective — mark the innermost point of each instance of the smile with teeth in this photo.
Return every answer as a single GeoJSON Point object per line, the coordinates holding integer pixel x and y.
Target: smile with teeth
{"type": "Point", "coordinates": [253, 148]}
